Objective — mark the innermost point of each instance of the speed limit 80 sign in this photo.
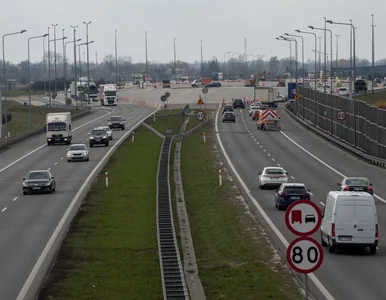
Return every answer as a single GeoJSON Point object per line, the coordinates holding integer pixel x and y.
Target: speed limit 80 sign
{"type": "Point", "coordinates": [305, 255]}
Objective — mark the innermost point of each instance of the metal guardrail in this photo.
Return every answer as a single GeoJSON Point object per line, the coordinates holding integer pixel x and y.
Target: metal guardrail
{"type": "Point", "coordinates": [173, 279]}
{"type": "Point", "coordinates": [180, 136]}
{"type": "Point", "coordinates": [23, 136]}
{"type": "Point", "coordinates": [156, 132]}
{"type": "Point", "coordinates": [375, 160]}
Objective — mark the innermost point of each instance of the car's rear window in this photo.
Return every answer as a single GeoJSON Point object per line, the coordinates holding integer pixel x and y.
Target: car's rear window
{"type": "Point", "coordinates": [238, 101]}
{"type": "Point", "coordinates": [274, 171]}
{"type": "Point", "coordinates": [357, 182]}
{"type": "Point", "coordinates": [295, 190]}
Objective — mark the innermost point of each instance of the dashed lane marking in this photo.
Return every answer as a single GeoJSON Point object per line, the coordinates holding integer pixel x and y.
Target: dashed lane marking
{"type": "Point", "coordinates": [4, 209]}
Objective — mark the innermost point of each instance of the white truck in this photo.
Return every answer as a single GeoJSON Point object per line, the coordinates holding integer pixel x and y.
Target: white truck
{"type": "Point", "coordinates": [108, 94]}
{"type": "Point", "coordinates": [58, 128]}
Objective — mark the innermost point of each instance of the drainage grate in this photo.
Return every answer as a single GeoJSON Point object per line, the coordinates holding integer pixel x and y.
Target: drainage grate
{"type": "Point", "coordinates": [173, 280]}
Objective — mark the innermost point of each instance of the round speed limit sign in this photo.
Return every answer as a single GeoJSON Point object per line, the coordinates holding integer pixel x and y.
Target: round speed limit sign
{"type": "Point", "coordinates": [305, 255]}
{"type": "Point", "coordinates": [200, 115]}
{"type": "Point", "coordinates": [341, 115]}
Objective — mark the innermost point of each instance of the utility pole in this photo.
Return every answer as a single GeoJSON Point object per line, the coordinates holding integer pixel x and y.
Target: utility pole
{"type": "Point", "coordinates": [116, 58]}
{"type": "Point", "coordinates": [325, 56]}
{"type": "Point", "coordinates": [372, 54]}
{"type": "Point", "coordinates": [75, 80]}
{"type": "Point", "coordinates": [88, 63]}
{"type": "Point", "coordinates": [320, 54]}
{"type": "Point", "coordinates": [44, 66]}
{"type": "Point", "coordinates": [147, 63]}
{"type": "Point", "coordinates": [202, 59]}
{"type": "Point", "coordinates": [63, 62]}
{"type": "Point", "coordinates": [49, 71]}
{"type": "Point", "coordinates": [337, 51]}
{"type": "Point", "coordinates": [56, 75]}
{"type": "Point", "coordinates": [175, 61]}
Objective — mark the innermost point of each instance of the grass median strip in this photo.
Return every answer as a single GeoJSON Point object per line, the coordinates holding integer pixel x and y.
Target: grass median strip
{"type": "Point", "coordinates": [168, 122]}
{"type": "Point", "coordinates": [235, 259]}
{"type": "Point", "coordinates": [111, 251]}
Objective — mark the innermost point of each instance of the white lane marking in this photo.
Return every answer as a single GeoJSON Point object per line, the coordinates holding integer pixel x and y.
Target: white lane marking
{"type": "Point", "coordinates": [61, 158]}
{"type": "Point", "coordinates": [273, 159]}
{"type": "Point", "coordinates": [292, 177]}
{"type": "Point", "coordinates": [264, 150]}
{"type": "Point", "coordinates": [261, 146]}
{"type": "Point", "coordinates": [322, 203]}
{"type": "Point", "coordinates": [14, 199]}
{"type": "Point", "coordinates": [254, 140]}
{"type": "Point", "coordinates": [278, 165]}
{"type": "Point", "coordinates": [258, 143]}
{"type": "Point", "coordinates": [311, 276]}
{"type": "Point", "coordinates": [268, 154]}
{"type": "Point", "coordinates": [40, 147]}
{"type": "Point", "coordinates": [31, 277]}
{"type": "Point", "coordinates": [48, 169]}
{"type": "Point", "coordinates": [55, 163]}
{"type": "Point", "coordinates": [4, 209]}
{"type": "Point", "coordinates": [324, 163]}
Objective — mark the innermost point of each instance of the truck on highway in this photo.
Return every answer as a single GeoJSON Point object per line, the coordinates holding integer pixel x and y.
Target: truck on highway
{"type": "Point", "coordinates": [93, 91]}
{"type": "Point", "coordinates": [201, 82]}
{"type": "Point", "coordinates": [58, 128]}
{"type": "Point", "coordinates": [108, 94]}
{"type": "Point", "coordinates": [217, 76]}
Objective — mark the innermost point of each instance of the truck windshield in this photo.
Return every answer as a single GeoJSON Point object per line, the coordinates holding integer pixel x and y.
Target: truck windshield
{"type": "Point", "coordinates": [110, 93]}
{"type": "Point", "coordinates": [57, 126]}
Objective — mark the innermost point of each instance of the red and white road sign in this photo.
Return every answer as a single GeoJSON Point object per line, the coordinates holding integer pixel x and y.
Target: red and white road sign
{"type": "Point", "coordinates": [303, 217]}
{"type": "Point", "coordinates": [200, 115]}
{"type": "Point", "coordinates": [269, 114]}
{"type": "Point", "coordinates": [305, 255]}
{"type": "Point", "coordinates": [341, 115]}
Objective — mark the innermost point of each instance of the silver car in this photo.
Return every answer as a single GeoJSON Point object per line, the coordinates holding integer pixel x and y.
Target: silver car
{"type": "Point", "coordinates": [109, 131]}
{"type": "Point", "coordinates": [78, 152]}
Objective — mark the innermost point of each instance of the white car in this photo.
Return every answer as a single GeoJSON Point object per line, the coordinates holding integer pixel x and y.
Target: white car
{"type": "Point", "coordinates": [252, 109]}
{"type": "Point", "coordinates": [272, 177]}
{"type": "Point", "coordinates": [343, 91]}
{"type": "Point", "coordinates": [108, 130]}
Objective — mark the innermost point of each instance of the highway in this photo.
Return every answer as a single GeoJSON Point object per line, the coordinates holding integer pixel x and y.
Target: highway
{"type": "Point", "coordinates": [351, 275]}
{"type": "Point", "coordinates": [27, 222]}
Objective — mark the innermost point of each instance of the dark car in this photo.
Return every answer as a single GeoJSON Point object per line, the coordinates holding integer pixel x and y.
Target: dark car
{"type": "Point", "coordinates": [289, 193]}
{"type": "Point", "coordinates": [238, 103]}
{"type": "Point", "coordinates": [229, 116]}
{"type": "Point", "coordinates": [227, 107]}
{"type": "Point", "coordinates": [98, 136]}
{"type": "Point", "coordinates": [355, 184]}
{"type": "Point", "coordinates": [117, 122]}
{"type": "Point", "coordinates": [39, 181]}
{"type": "Point", "coordinates": [213, 84]}
{"type": "Point", "coordinates": [360, 85]}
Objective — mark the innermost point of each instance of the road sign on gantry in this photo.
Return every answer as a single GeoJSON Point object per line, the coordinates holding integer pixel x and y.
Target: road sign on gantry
{"type": "Point", "coordinates": [305, 255]}
{"type": "Point", "coordinates": [303, 217]}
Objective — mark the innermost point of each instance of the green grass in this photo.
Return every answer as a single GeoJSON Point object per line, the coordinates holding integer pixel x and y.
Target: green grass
{"type": "Point", "coordinates": [17, 93]}
{"type": "Point", "coordinates": [173, 122]}
{"type": "Point", "coordinates": [376, 99]}
{"type": "Point", "coordinates": [194, 122]}
{"type": "Point", "coordinates": [19, 112]}
{"type": "Point", "coordinates": [235, 260]}
{"type": "Point", "coordinates": [111, 249]}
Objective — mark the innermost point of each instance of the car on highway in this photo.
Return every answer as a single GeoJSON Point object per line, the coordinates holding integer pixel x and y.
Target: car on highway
{"type": "Point", "coordinates": [98, 136]}
{"type": "Point", "coordinates": [109, 132]}
{"type": "Point", "coordinates": [238, 103]}
{"type": "Point", "coordinates": [289, 193]}
{"type": "Point", "coordinates": [227, 107]}
{"type": "Point", "coordinates": [356, 184]}
{"type": "Point", "coordinates": [343, 91]}
{"type": "Point", "coordinates": [116, 122]}
{"type": "Point", "coordinates": [255, 115]}
{"type": "Point", "coordinates": [360, 85]}
{"type": "Point", "coordinates": [254, 106]}
{"type": "Point", "coordinates": [213, 84]}
{"type": "Point", "coordinates": [349, 219]}
{"type": "Point", "coordinates": [77, 152]}
{"type": "Point", "coordinates": [39, 181]}
{"type": "Point", "coordinates": [229, 116]}
{"type": "Point", "coordinates": [272, 177]}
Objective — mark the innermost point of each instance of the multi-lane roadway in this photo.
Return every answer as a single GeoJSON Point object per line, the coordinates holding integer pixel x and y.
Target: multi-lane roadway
{"type": "Point", "coordinates": [27, 222]}
{"type": "Point", "coordinates": [310, 160]}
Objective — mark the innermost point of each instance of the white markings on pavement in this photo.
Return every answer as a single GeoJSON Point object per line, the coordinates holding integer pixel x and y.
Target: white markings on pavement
{"type": "Point", "coordinates": [322, 203]}
{"type": "Point", "coordinates": [55, 163]}
{"type": "Point", "coordinates": [323, 163]}
{"type": "Point", "coordinates": [14, 199]}
{"type": "Point", "coordinates": [48, 169]}
{"type": "Point", "coordinates": [268, 154]}
{"type": "Point", "coordinates": [264, 150]}
{"type": "Point", "coordinates": [4, 209]}
{"type": "Point", "coordinates": [273, 159]}
{"type": "Point", "coordinates": [278, 165]}
{"type": "Point", "coordinates": [61, 158]}
{"type": "Point", "coordinates": [293, 177]}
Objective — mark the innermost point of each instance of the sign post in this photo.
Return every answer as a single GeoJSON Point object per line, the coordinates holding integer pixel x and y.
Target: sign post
{"type": "Point", "coordinates": [304, 254]}
{"type": "Point", "coordinates": [205, 91]}
{"type": "Point", "coordinates": [341, 115]}
{"type": "Point", "coordinates": [200, 115]}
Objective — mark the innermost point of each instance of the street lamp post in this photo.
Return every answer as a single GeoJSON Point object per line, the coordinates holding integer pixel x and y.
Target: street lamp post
{"type": "Point", "coordinates": [75, 80]}
{"type": "Point", "coordinates": [352, 58]}
{"type": "Point", "coordinates": [88, 63]}
{"type": "Point", "coordinates": [293, 35]}
{"type": "Point", "coordinates": [80, 58]}
{"type": "Point", "coordinates": [65, 65]}
{"type": "Point", "coordinates": [225, 53]}
{"type": "Point", "coordinates": [296, 56]}
{"type": "Point", "coordinates": [281, 38]}
{"type": "Point", "coordinates": [372, 53]}
{"type": "Point", "coordinates": [54, 40]}
{"type": "Point", "coordinates": [44, 66]}
{"type": "Point", "coordinates": [175, 61]}
{"type": "Point", "coordinates": [5, 89]}
{"type": "Point", "coordinates": [54, 25]}
{"type": "Point", "coordinates": [64, 84]}
{"type": "Point", "coordinates": [337, 51]}
{"type": "Point", "coordinates": [202, 59]}
{"type": "Point", "coordinates": [29, 80]}
{"type": "Point", "coordinates": [316, 42]}
{"type": "Point", "coordinates": [116, 58]}
{"type": "Point", "coordinates": [147, 63]}
{"type": "Point", "coordinates": [320, 53]}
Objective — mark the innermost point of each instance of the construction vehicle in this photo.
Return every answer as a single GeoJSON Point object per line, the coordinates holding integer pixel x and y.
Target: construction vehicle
{"type": "Point", "coordinates": [255, 79]}
{"type": "Point", "coordinates": [268, 120]}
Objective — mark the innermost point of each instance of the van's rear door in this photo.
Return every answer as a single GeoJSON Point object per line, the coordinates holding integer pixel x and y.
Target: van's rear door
{"type": "Point", "coordinates": [344, 223]}
{"type": "Point", "coordinates": [365, 221]}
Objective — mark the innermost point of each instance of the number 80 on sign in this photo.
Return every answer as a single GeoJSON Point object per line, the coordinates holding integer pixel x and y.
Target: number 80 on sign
{"type": "Point", "coordinates": [305, 255]}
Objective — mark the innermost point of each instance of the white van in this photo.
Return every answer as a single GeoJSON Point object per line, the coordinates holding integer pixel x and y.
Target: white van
{"type": "Point", "coordinates": [349, 219]}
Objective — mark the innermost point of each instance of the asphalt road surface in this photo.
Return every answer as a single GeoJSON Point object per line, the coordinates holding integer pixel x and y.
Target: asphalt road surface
{"type": "Point", "coordinates": [353, 275]}
{"type": "Point", "coordinates": [27, 222]}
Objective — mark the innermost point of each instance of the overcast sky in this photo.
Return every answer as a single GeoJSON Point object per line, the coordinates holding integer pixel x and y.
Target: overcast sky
{"type": "Point", "coordinates": [222, 24]}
